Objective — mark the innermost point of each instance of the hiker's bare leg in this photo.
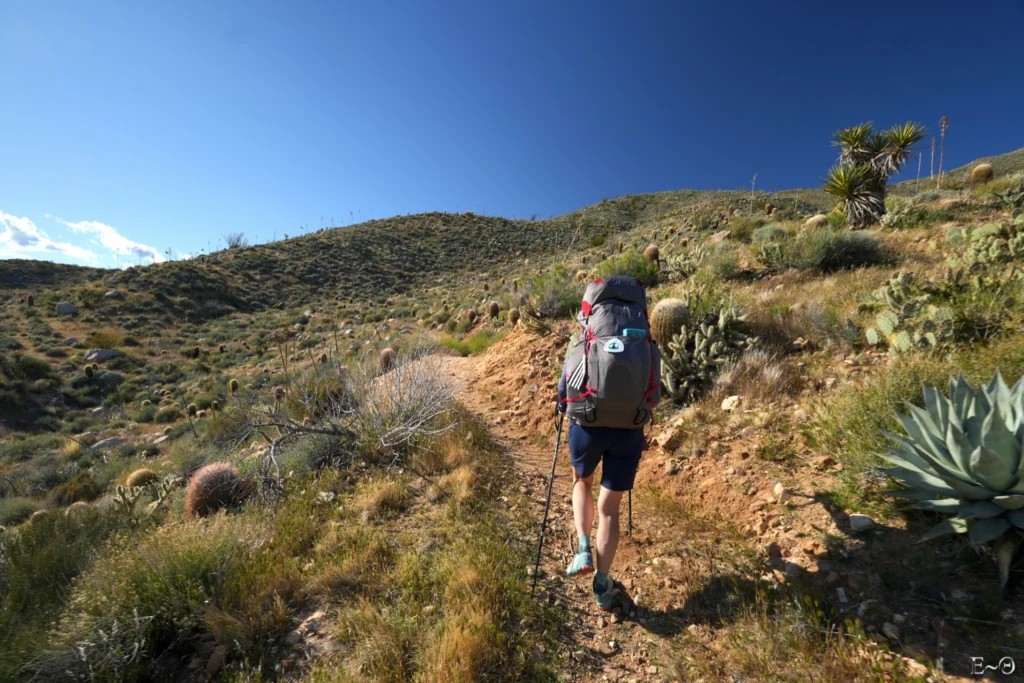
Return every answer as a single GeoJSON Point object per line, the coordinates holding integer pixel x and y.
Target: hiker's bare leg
{"type": "Point", "coordinates": [607, 528]}
{"type": "Point", "coordinates": [583, 504]}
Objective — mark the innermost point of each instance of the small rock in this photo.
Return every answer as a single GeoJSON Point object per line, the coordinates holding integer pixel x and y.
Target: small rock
{"type": "Point", "coordinates": [112, 294]}
{"type": "Point", "coordinates": [71, 341]}
{"type": "Point", "coordinates": [672, 466]}
{"type": "Point", "coordinates": [428, 610]}
{"type": "Point", "coordinates": [793, 570]}
{"type": "Point", "coordinates": [100, 355]}
{"type": "Point", "coordinates": [861, 522]}
{"type": "Point", "coordinates": [824, 461]}
{"type": "Point", "coordinates": [899, 619]}
{"type": "Point", "coordinates": [773, 549]}
{"type": "Point", "coordinates": [731, 403]}
{"type": "Point", "coordinates": [112, 442]}
{"type": "Point", "coordinates": [65, 308]}
{"type": "Point", "coordinates": [216, 660]}
{"type": "Point", "coordinates": [800, 415]}
{"type": "Point", "coordinates": [832, 577]}
{"type": "Point", "coordinates": [652, 670]}
{"type": "Point", "coordinates": [891, 631]}
{"type": "Point", "coordinates": [579, 655]}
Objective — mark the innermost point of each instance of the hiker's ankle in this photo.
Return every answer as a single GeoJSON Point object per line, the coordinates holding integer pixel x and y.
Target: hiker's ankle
{"type": "Point", "coordinates": [584, 543]}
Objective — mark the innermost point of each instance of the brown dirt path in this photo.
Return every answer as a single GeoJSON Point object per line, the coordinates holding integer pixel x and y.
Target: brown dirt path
{"type": "Point", "coordinates": [595, 645]}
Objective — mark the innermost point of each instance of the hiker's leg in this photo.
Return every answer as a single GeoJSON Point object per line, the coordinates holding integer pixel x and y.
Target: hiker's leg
{"type": "Point", "coordinates": [617, 477]}
{"type": "Point", "coordinates": [585, 455]}
{"type": "Point", "coordinates": [608, 503]}
{"type": "Point", "coordinates": [583, 505]}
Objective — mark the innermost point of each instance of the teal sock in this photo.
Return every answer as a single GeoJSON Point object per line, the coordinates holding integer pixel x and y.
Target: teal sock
{"type": "Point", "coordinates": [584, 544]}
{"type": "Point", "coordinates": [602, 579]}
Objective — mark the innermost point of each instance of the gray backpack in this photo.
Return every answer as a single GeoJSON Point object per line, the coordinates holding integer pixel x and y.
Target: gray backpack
{"type": "Point", "coordinates": [613, 370]}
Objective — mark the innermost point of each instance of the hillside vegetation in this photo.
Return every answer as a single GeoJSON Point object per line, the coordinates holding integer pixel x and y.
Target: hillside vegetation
{"type": "Point", "coordinates": [270, 463]}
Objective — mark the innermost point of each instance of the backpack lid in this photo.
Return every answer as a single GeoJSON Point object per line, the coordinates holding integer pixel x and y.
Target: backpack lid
{"type": "Point", "coordinates": [614, 288]}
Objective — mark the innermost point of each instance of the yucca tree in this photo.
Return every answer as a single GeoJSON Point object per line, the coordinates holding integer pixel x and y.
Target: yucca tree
{"type": "Point", "coordinates": [866, 160]}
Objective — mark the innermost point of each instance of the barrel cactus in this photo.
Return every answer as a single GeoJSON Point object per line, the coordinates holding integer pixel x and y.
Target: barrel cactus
{"type": "Point", "coordinates": [30, 300]}
{"type": "Point", "coordinates": [142, 477]}
{"type": "Point", "coordinates": [513, 315]}
{"type": "Point", "coordinates": [278, 394]}
{"type": "Point", "coordinates": [667, 319]}
{"type": "Point", "coordinates": [214, 487]}
{"type": "Point", "coordinates": [652, 253]}
{"type": "Point", "coordinates": [816, 221]}
{"type": "Point", "coordinates": [89, 371]}
{"type": "Point", "coordinates": [493, 310]}
{"type": "Point", "coordinates": [387, 359]}
{"type": "Point", "coordinates": [962, 457]}
{"type": "Point", "coordinates": [192, 409]}
{"type": "Point", "coordinates": [233, 386]}
{"type": "Point", "coordinates": [982, 173]}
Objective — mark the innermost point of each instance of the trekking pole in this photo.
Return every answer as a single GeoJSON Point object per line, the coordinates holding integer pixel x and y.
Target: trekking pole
{"type": "Point", "coordinates": [547, 504]}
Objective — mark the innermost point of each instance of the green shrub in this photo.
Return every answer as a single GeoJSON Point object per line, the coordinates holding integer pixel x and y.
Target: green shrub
{"type": "Point", "coordinates": [16, 509]}
{"type": "Point", "coordinates": [31, 367]}
{"type": "Point", "coordinates": [167, 415]}
{"type": "Point", "coordinates": [475, 344]}
{"type": "Point", "coordinates": [832, 250]}
{"type": "Point", "coordinates": [743, 228]}
{"type": "Point", "coordinates": [80, 487]}
{"type": "Point", "coordinates": [769, 233]}
{"type": "Point", "coordinates": [556, 293]}
{"type": "Point", "coordinates": [10, 344]}
{"type": "Point", "coordinates": [146, 414]}
{"type": "Point", "coordinates": [631, 263]}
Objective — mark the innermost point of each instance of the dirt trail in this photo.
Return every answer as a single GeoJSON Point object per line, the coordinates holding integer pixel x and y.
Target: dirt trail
{"type": "Point", "coordinates": [596, 646]}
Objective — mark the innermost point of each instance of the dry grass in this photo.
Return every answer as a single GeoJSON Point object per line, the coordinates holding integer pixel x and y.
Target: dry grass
{"type": "Point", "coordinates": [383, 640]}
{"type": "Point", "coordinates": [466, 647]}
{"type": "Point", "coordinates": [380, 498]}
{"type": "Point", "coordinates": [758, 375]}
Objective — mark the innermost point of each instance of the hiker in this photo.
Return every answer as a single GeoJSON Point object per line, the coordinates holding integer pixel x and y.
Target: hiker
{"type": "Point", "coordinates": [609, 386]}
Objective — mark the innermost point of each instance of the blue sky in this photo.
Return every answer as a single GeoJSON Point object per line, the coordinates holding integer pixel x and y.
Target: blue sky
{"type": "Point", "coordinates": [130, 128]}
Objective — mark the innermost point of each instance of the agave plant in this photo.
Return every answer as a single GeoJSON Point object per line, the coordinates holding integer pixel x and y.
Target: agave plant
{"type": "Point", "coordinates": [963, 458]}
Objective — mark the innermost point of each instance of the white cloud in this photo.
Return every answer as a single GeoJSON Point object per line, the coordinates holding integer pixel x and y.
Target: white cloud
{"type": "Point", "coordinates": [110, 238]}
{"type": "Point", "coordinates": [20, 238]}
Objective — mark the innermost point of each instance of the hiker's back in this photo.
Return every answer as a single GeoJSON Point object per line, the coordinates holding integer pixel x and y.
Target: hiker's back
{"type": "Point", "coordinates": [613, 368]}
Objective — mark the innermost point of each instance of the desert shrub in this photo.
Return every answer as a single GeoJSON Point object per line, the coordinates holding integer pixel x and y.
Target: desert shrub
{"type": "Point", "coordinates": [724, 263]}
{"type": "Point", "coordinates": [477, 343]}
{"type": "Point", "coordinates": [314, 452]}
{"type": "Point", "coordinates": [216, 486]}
{"type": "Point", "coordinates": [145, 414]}
{"type": "Point", "coordinates": [10, 344]}
{"type": "Point", "coordinates": [556, 293]}
{"type": "Point", "coordinates": [743, 228]}
{"type": "Point", "coordinates": [31, 367]}
{"type": "Point", "coordinates": [830, 250]}
{"type": "Point", "coordinates": [769, 233]}
{"type": "Point", "coordinates": [41, 561]}
{"type": "Point", "coordinates": [167, 415]}
{"type": "Point", "coordinates": [145, 594]}
{"type": "Point", "coordinates": [381, 497]}
{"type": "Point", "coordinates": [102, 340]}
{"type": "Point", "coordinates": [80, 487]}
{"type": "Point", "coordinates": [630, 262]}
{"type": "Point", "coordinates": [16, 509]}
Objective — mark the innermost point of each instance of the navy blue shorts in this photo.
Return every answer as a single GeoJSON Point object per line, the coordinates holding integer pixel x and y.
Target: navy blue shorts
{"type": "Point", "coordinates": [619, 449]}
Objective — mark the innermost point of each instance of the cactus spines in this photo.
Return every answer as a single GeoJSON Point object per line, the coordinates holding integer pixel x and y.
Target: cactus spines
{"type": "Point", "coordinates": [652, 253]}
{"type": "Point", "coordinates": [142, 477]}
{"type": "Point", "coordinates": [192, 409]}
{"type": "Point", "coordinates": [278, 394]}
{"type": "Point", "coordinates": [89, 371]}
{"type": "Point", "coordinates": [513, 315]}
{"type": "Point", "coordinates": [982, 173]}
{"type": "Point", "coordinates": [75, 508]}
{"type": "Point", "coordinates": [493, 310]}
{"type": "Point", "coordinates": [146, 403]}
{"type": "Point", "coordinates": [387, 359]}
{"type": "Point", "coordinates": [667, 319]}
{"type": "Point", "coordinates": [38, 516]}
{"type": "Point", "coordinates": [233, 386]}
{"type": "Point", "coordinates": [214, 487]}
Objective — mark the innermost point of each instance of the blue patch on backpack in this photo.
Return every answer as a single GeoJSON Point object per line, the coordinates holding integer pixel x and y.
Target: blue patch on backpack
{"type": "Point", "coordinates": [614, 346]}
